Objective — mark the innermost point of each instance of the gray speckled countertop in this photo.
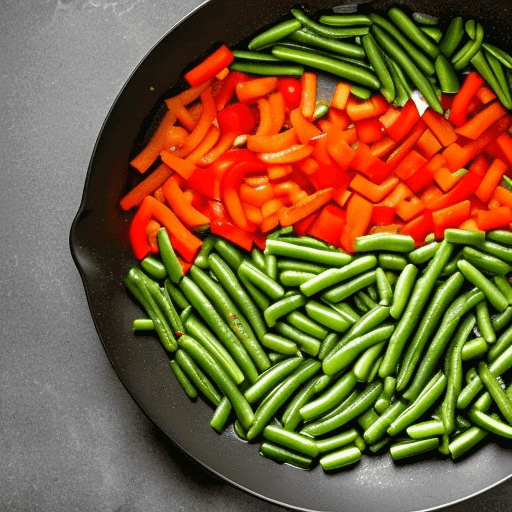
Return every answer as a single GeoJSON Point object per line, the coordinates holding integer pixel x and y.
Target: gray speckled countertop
{"type": "Point", "coordinates": [71, 438]}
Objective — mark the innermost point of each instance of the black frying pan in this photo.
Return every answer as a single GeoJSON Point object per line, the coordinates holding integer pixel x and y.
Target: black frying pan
{"type": "Point", "coordinates": [100, 247]}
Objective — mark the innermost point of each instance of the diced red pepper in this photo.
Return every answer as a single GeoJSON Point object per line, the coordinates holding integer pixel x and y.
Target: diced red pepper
{"type": "Point", "coordinates": [405, 122]}
{"type": "Point", "coordinates": [383, 215]}
{"type": "Point", "coordinates": [232, 233]}
{"type": "Point", "coordinates": [329, 225]}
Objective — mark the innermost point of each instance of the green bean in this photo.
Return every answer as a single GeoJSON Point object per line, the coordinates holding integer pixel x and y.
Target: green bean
{"type": "Point", "coordinates": [306, 343]}
{"type": "Point", "coordinates": [326, 316]}
{"type": "Point", "coordinates": [185, 313]}
{"type": "Point", "coordinates": [328, 400]}
{"type": "Point", "coordinates": [183, 380]}
{"type": "Point", "coordinates": [328, 343]}
{"type": "Point", "coordinates": [435, 33]}
{"type": "Point", "coordinates": [340, 458]}
{"type": "Point", "coordinates": [504, 287]}
{"type": "Point", "coordinates": [196, 375]}
{"type": "Point", "coordinates": [201, 260]}
{"type": "Point", "coordinates": [486, 262]}
{"type": "Point", "coordinates": [209, 314]}
{"type": "Point", "coordinates": [448, 80]}
{"type": "Point", "coordinates": [299, 266]}
{"type": "Point", "coordinates": [364, 401]}
{"type": "Point", "coordinates": [143, 324]}
{"type": "Point", "coordinates": [346, 310]}
{"type": "Point", "coordinates": [256, 295]}
{"type": "Point", "coordinates": [234, 319]}
{"type": "Point", "coordinates": [293, 278]}
{"type": "Point", "coordinates": [464, 237]}
{"type": "Point", "coordinates": [305, 324]}
{"type": "Point", "coordinates": [268, 68]}
{"type": "Point", "coordinates": [497, 250]}
{"type": "Point", "coordinates": [497, 393]}
{"type": "Point", "coordinates": [291, 417]}
{"type": "Point", "coordinates": [474, 349]}
{"type": "Point", "coordinates": [328, 31]}
{"type": "Point", "coordinates": [322, 256]}
{"type": "Point", "coordinates": [293, 440]}
{"type": "Point", "coordinates": [343, 48]}
{"type": "Point", "coordinates": [404, 449]}
{"type": "Point", "coordinates": [410, 317]}
{"type": "Point", "coordinates": [372, 292]}
{"type": "Point", "coordinates": [433, 390]}
{"type": "Point", "coordinates": [337, 441]}
{"type": "Point", "coordinates": [240, 405]}
{"type": "Point", "coordinates": [363, 366]}
{"type": "Point", "coordinates": [267, 410]}
{"type": "Point", "coordinates": [361, 93]}
{"type": "Point", "coordinates": [200, 333]}
{"type": "Point", "coordinates": [258, 259]}
{"type": "Point", "coordinates": [332, 276]}
{"type": "Point", "coordinates": [348, 288]}
{"type": "Point", "coordinates": [392, 261]}
{"type": "Point", "coordinates": [424, 19]}
{"type": "Point", "coordinates": [490, 423]}
{"type": "Point", "coordinates": [439, 343]}
{"type": "Point", "coordinates": [344, 20]}
{"type": "Point", "coordinates": [402, 92]}
{"type": "Point", "coordinates": [500, 236]}
{"type": "Point", "coordinates": [383, 287]}
{"type": "Point", "coordinates": [270, 378]}
{"type": "Point", "coordinates": [283, 456]}
{"type": "Point", "coordinates": [429, 428]}
{"type": "Point", "coordinates": [230, 254]}
{"type": "Point", "coordinates": [414, 33]}
{"type": "Point", "coordinates": [331, 65]}
{"type": "Point", "coordinates": [279, 344]}
{"type": "Point", "coordinates": [502, 56]}
{"type": "Point", "coordinates": [497, 366]}
{"type": "Point", "coordinates": [482, 66]}
{"type": "Point", "coordinates": [484, 322]}
{"type": "Point", "coordinates": [421, 60]}
{"type": "Point", "coordinates": [462, 58]}
{"type": "Point", "coordinates": [474, 276]}
{"type": "Point", "coordinates": [271, 266]}
{"type": "Point", "coordinates": [138, 284]}
{"type": "Point", "coordinates": [385, 242]}
{"type": "Point", "coordinates": [259, 279]}
{"type": "Point", "coordinates": [175, 294]}
{"type": "Point", "coordinates": [153, 267]}
{"type": "Point", "coordinates": [462, 443]}
{"type": "Point", "coordinates": [403, 290]}
{"type": "Point", "coordinates": [502, 320]}
{"type": "Point", "coordinates": [452, 37]}
{"type": "Point", "coordinates": [283, 307]}
{"type": "Point", "coordinates": [499, 73]}
{"type": "Point", "coordinates": [409, 67]}
{"type": "Point", "coordinates": [273, 34]}
{"type": "Point", "coordinates": [379, 427]}
{"type": "Point", "coordinates": [229, 281]}
{"type": "Point", "coordinates": [169, 258]}
{"type": "Point", "coordinates": [253, 55]}
{"type": "Point", "coordinates": [220, 416]}
{"type": "Point", "coordinates": [376, 58]}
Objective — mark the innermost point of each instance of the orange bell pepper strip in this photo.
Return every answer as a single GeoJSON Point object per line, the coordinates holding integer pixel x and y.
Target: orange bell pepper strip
{"type": "Point", "coordinates": [227, 89]}
{"type": "Point", "coordinates": [474, 127]}
{"type": "Point", "coordinates": [389, 117]}
{"type": "Point", "coordinates": [271, 206]}
{"type": "Point", "coordinates": [428, 145]}
{"type": "Point", "coordinates": [491, 180]}
{"type": "Point", "coordinates": [230, 191]}
{"type": "Point", "coordinates": [339, 150]}
{"type": "Point", "coordinates": [269, 223]}
{"type": "Point", "coordinates": [446, 179]}
{"type": "Point", "coordinates": [479, 165]}
{"type": "Point", "coordinates": [383, 147]}
{"type": "Point", "coordinates": [211, 66]}
{"type": "Point", "coordinates": [200, 130]}
{"type": "Point", "coordinates": [493, 219]}
{"type": "Point", "coordinates": [181, 112]}
{"type": "Point", "coordinates": [183, 167]}
{"type": "Point", "coordinates": [152, 229]}
{"type": "Point", "coordinates": [309, 165]}
{"type": "Point", "coordinates": [146, 187]}
{"type": "Point", "coordinates": [409, 165]}
{"type": "Point", "coordinates": [305, 129]}
{"type": "Point", "coordinates": [278, 112]}
{"type": "Point", "coordinates": [375, 193]}
{"type": "Point", "coordinates": [469, 225]}
{"type": "Point", "coordinates": [252, 214]}
{"type": "Point", "coordinates": [340, 95]}
{"type": "Point", "coordinates": [304, 207]}
{"type": "Point", "coordinates": [209, 140]}
{"type": "Point", "coordinates": [369, 130]}
{"type": "Point", "coordinates": [254, 89]}
{"type": "Point", "coordinates": [398, 194]}
{"type": "Point", "coordinates": [289, 155]}
{"type": "Point", "coordinates": [308, 97]}
{"type": "Point", "coordinates": [504, 196]}
{"type": "Point", "coordinates": [256, 196]}
{"type": "Point", "coordinates": [289, 191]}
{"type": "Point", "coordinates": [358, 110]}
{"type": "Point", "coordinates": [339, 118]}
{"type": "Point", "coordinates": [341, 196]}
{"type": "Point", "coordinates": [485, 95]}
{"type": "Point", "coordinates": [276, 172]}
{"type": "Point", "coordinates": [408, 208]}
{"type": "Point", "coordinates": [504, 141]}
{"type": "Point", "coordinates": [265, 120]}
{"type": "Point", "coordinates": [183, 241]}
{"type": "Point", "coordinates": [184, 210]}
{"type": "Point", "coordinates": [223, 144]}
{"type": "Point", "coordinates": [461, 101]}
{"type": "Point", "coordinates": [272, 143]}
{"type": "Point", "coordinates": [363, 158]}
{"type": "Point", "coordinates": [450, 217]}
{"type": "Point", "coordinates": [359, 214]}
{"type": "Point", "coordinates": [431, 193]}
{"type": "Point", "coordinates": [440, 127]}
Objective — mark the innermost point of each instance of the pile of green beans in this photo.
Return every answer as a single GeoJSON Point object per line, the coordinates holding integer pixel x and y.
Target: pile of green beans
{"type": "Point", "coordinates": [394, 52]}
{"type": "Point", "coordinates": [321, 356]}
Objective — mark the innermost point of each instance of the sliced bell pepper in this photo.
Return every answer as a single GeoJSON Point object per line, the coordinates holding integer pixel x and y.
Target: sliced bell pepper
{"type": "Point", "coordinates": [359, 215]}
{"type": "Point", "coordinates": [450, 217]}
{"type": "Point", "coordinates": [209, 67]}
{"type": "Point", "coordinates": [459, 109]}
{"type": "Point", "coordinates": [304, 128]}
{"type": "Point", "coordinates": [301, 226]}
{"type": "Point", "coordinates": [227, 90]}
{"type": "Point", "coordinates": [232, 233]}
{"type": "Point", "coordinates": [405, 122]}
{"type": "Point", "coordinates": [369, 130]}
{"type": "Point", "coordinates": [255, 88]}
{"type": "Point", "coordinates": [493, 219]}
{"type": "Point", "coordinates": [411, 163]}
{"type": "Point", "coordinates": [490, 180]}
{"type": "Point", "coordinates": [408, 208]}
{"type": "Point", "coordinates": [461, 192]}
{"type": "Point", "coordinates": [289, 155]}
{"type": "Point", "coordinates": [504, 141]}
{"type": "Point", "coordinates": [364, 109]}
{"type": "Point", "coordinates": [440, 127]}
{"type": "Point", "coordinates": [383, 215]}
{"type": "Point", "coordinates": [419, 227]}
{"type": "Point", "coordinates": [474, 127]}
{"type": "Point", "coordinates": [340, 95]}
{"type": "Point", "coordinates": [309, 83]}
{"type": "Point", "coordinates": [256, 196]}
{"type": "Point", "coordinates": [504, 196]}
{"type": "Point", "coordinates": [370, 190]}
{"type": "Point", "coordinates": [428, 145]}
{"type": "Point", "coordinates": [329, 225]}
{"type": "Point", "coordinates": [303, 208]}
{"type": "Point", "coordinates": [183, 167]}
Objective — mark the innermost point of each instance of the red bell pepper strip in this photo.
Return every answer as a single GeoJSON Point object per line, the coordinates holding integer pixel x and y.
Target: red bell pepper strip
{"type": "Point", "coordinates": [383, 215]}
{"type": "Point", "coordinates": [419, 227]}
{"type": "Point", "coordinates": [474, 127]}
{"type": "Point", "coordinates": [405, 122]}
{"type": "Point", "coordinates": [363, 158]}
{"type": "Point", "coordinates": [227, 90]}
{"type": "Point", "coordinates": [146, 187]}
{"type": "Point", "coordinates": [461, 101]}
{"type": "Point", "coordinates": [291, 89]}
{"type": "Point", "coordinates": [209, 67]}
{"type": "Point", "coordinates": [301, 226]}
{"type": "Point", "coordinates": [375, 193]}
{"type": "Point", "coordinates": [491, 180]}
{"type": "Point", "coordinates": [359, 215]}
{"type": "Point", "coordinates": [230, 191]}
{"type": "Point", "coordinates": [504, 141]}
{"type": "Point", "coordinates": [184, 242]}
{"type": "Point", "coordinates": [409, 165]}
{"type": "Point", "coordinates": [462, 191]}
{"type": "Point", "coordinates": [303, 208]}
{"type": "Point", "coordinates": [369, 130]}
{"type": "Point", "coordinates": [493, 219]}
{"type": "Point", "coordinates": [428, 145]}
{"type": "Point", "coordinates": [232, 233]}
{"type": "Point", "coordinates": [403, 150]}
{"type": "Point", "coordinates": [383, 147]}
{"type": "Point", "coordinates": [184, 210]}
{"type": "Point", "coordinates": [329, 225]}
{"type": "Point", "coordinates": [440, 127]}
